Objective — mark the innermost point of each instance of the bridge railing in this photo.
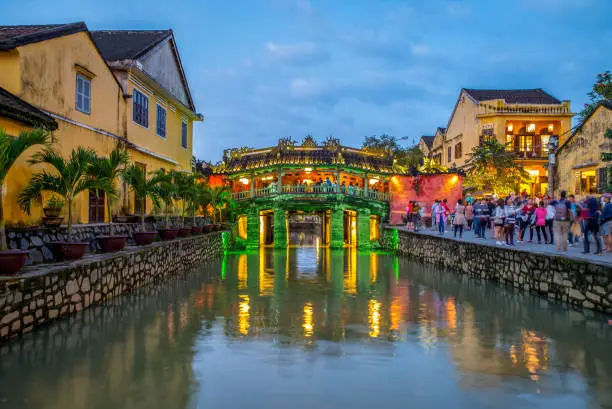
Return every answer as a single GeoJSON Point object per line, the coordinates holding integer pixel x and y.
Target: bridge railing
{"type": "Point", "coordinates": [313, 189]}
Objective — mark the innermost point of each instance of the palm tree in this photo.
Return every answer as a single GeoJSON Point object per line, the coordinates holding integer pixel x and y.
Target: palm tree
{"type": "Point", "coordinates": [165, 190]}
{"type": "Point", "coordinates": [105, 171]}
{"type": "Point", "coordinates": [142, 186]}
{"type": "Point", "coordinates": [200, 199]}
{"type": "Point", "coordinates": [11, 149]}
{"type": "Point", "coordinates": [185, 191]}
{"type": "Point", "coordinates": [220, 198]}
{"type": "Point", "coordinates": [67, 177]}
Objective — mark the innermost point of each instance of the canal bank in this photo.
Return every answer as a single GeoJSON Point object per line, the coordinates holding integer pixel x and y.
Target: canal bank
{"type": "Point", "coordinates": [581, 282]}
{"type": "Point", "coordinates": [47, 292]}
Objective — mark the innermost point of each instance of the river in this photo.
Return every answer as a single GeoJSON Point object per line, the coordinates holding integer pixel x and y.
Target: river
{"type": "Point", "coordinates": [314, 328]}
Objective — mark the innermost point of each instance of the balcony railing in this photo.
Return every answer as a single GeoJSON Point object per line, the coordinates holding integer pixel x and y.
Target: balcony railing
{"type": "Point", "coordinates": [536, 154]}
{"type": "Point", "coordinates": [539, 109]}
{"type": "Point", "coordinates": [313, 189]}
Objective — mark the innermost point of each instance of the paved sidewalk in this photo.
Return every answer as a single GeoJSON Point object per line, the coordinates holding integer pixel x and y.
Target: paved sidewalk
{"type": "Point", "coordinates": [573, 252]}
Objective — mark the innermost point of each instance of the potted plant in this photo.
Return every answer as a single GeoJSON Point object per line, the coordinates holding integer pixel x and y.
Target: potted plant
{"type": "Point", "coordinates": [104, 171]}
{"type": "Point", "coordinates": [220, 198]}
{"type": "Point", "coordinates": [185, 187]}
{"type": "Point", "coordinates": [199, 199]}
{"type": "Point", "coordinates": [11, 261]}
{"type": "Point", "coordinates": [54, 206]}
{"type": "Point", "coordinates": [67, 177]}
{"type": "Point", "coordinates": [136, 178]}
{"type": "Point", "coordinates": [165, 191]}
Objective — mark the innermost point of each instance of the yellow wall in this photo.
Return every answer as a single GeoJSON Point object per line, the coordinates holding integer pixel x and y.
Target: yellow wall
{"type": "Point", "coordinates": [169, 147]}
{"type": "Point", "coordinates": [44, 74]}
{"type": "Point", "coordinates": [583, 152]}
{"type": "Point", "coordinates": [463, 127]}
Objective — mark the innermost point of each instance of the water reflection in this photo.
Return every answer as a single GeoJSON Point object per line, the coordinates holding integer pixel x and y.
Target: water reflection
{"type": "Point", "coordinates": [268, 329]}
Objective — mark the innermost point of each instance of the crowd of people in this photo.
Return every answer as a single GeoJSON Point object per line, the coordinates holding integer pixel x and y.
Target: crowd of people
{"type": "Point", "coordinates": [564, 221]}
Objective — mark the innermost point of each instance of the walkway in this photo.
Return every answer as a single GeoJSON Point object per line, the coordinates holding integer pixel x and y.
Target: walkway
{"type": "Point", "coordinates": [573, 252]}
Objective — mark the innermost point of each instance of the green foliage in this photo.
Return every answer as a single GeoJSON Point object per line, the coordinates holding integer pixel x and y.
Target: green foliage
{"type": "Point", "coordinates": [220, 199]}
{"type": "Point", "coordinates": [601, 90]}
{"type": "Point", "coordinates": [165, 190]}
{"type": "Point", "coordinates": [405, 159]}
{"type": "Point", "coordinates": [432, 166]}
{"type": "Point", "coordinates": [492, 167]}
{"type": "Point", "coordinates": [11, 149]}
{"type": "Point", "coordinates": [105, 171]}
{"type": "Point", "coordinates": [66, 177]}
{"type": "Point", "coordinates": [55, 202]}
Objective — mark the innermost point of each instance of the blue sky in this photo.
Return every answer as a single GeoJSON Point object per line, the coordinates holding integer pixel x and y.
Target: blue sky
{"type": "Point", "coordinates": [264, 69]}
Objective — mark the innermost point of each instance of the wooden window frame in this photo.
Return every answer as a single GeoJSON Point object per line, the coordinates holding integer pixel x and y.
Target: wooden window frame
{"type": "Point", "coordinates": [160, 126]}
{"type": "Point", "coordinates": [85, 96]}
{"type": "Point", "coordinates": [140, 108]}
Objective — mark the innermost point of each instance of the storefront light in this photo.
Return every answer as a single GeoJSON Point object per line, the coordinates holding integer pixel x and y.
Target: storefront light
{"type": "Point", "coordinates": [307, 170]}
{"type": "Point", "coordinates": [374, 181]}
{"type": "Point", "coordinates": [244, 181]}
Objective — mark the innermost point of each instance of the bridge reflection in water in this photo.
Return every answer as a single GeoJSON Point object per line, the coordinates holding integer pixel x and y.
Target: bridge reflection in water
{"type": "Point", "coordinates": [313, 327]}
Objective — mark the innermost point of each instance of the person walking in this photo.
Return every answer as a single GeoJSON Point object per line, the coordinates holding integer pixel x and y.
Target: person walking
{"type": "Point", "coordinates": [498, 221]}
{"type": "Point", "coordinates": [527, 220]}
{"type": "Point", "coordinates": [415, 213]}
{"type": "Point", "coordinates": [575, 209]}
{"type": "Point", "coordinates": [561, 224]}
{"type": "Point", "coordinates": [591, 226]}
{"type": "Point", "coordinates": [482, 213]}
{"type": "Point", "coordinates": [550, 217]}
{"type": "Point", "coordinates": [433, 214]}
{"type": "Point", "coordinates": [540, 223]}
{"type": "Point", "coordinates": [460, 219]}
{"type": "Point", "coordinates": [509, 221]}
{"type": "Point", "coordinates": [469, 215]}
{"type": "Point", "coordinates": [605, 222]}
{"type": "Point", "coordinates": [441, 218]}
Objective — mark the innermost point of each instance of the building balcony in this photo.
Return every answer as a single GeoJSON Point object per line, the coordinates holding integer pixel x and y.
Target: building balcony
{"type": "Point", "coordinates": [536, 154]}
{"type": "Point", "coordinates": [492, 109]}
{"type": "Point", "coordinates": [306, 190]}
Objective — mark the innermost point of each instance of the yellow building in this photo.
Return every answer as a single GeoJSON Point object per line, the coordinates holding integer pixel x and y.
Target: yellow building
{"type": "Point", "coordinates": [437, 145]}
{"type": "Point", "coordinates": [426, 144]}
{"type": "Point", "coordinates": [583, 160]}
{"type": "Point", "coordinates": [102, 88]}
{"type": "Point", "coordinates": [523, 119]}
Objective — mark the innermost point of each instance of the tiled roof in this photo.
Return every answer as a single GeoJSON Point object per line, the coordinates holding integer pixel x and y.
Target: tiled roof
{"type": "Point", "coordinates": [343, 157]}
{"type": "Point", "coordinates": [17, 109]}
{"type": "Point", "coordinates": [116, 45]}
{"type": "Point", "coordinates": [428, 140]}
{"type": "Point", "coordinates": [441, 129]}
{"type": "Point", "coordinates": [513, 96]}
{"type": "Point", "coordinates": [15, 36]}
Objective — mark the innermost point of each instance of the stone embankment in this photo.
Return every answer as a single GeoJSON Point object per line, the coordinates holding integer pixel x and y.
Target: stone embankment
{"type": "Point", "coordinates": [578, 282]}
{"type": "Point", "coordinates": [47, 292]}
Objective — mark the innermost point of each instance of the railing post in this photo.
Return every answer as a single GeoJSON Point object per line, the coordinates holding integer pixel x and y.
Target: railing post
{"type": "Point", "coordinates": [252, 187]}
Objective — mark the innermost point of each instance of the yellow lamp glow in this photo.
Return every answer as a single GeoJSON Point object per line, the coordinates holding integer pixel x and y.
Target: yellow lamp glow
{"type": "Point", "coordinates": [551, 127]}
{"type": "Point", "coordinates": [531, 128]}
{"type": "Point", "coordinates": [308, 170]}
{"type": "Point", "coordinates": [374, 181]}
{"type": "Point", "coordinates": [510, 127]}
{"type": "Point", "coordinates": [244, 181]}
{"type": "Point", "coordinates": [454, 179]}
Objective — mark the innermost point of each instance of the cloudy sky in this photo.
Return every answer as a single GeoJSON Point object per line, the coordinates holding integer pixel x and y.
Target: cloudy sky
{"type": "Point", "coordinates": [264, 69]}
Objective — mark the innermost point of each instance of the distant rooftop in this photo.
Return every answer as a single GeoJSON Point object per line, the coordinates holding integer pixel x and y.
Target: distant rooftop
{"type": "Point", "coordinates": [16, 36]}
{"type": "Point", "coordinates": [513, 96]}
{"type": "Point", "coordinates": [116, 45]}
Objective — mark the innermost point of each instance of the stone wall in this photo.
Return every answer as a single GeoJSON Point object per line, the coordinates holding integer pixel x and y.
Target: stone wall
{"type": "Point", "coordinates": [37, 239]}
{"type": "Point", "coordinates": [46, 293]}
{"type": "Point", "coordinates": [559, 278]}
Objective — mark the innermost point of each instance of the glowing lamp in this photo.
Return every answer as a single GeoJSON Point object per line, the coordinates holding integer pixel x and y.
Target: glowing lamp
{"type": "Point", "coordinates": [510, 127]}
{"type": "Point", "coordinates": [308, 169]}
{"type": "Point", "coordinates": [454, 179]}
{"type": "Point", "coordinates": [244, 181]}
{"type": "Point", "coordinates": [373, 181]}
{"type": "Point", "coordinates": [551, 127]}
{"type": "Point", "coordinates": [533, 172]}
{"type": "Point", "coordinates": [531, 128]}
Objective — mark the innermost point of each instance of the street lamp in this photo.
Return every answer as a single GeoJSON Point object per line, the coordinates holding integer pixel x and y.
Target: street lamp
{"type": "Point", "coordinates": [553, 142]}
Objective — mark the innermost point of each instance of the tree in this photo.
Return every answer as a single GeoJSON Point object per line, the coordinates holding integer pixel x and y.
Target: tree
{"type": "Point", "coordinates": [105, 171]}
{"type": "Point", "coordinates": [186, 191]}
{"type": "Point", "coordinates": [142, 186]}
{"type": "Point", "coordinates": [432, 166]}
{"type": "Point", "coordinates": [11, 149]}
{"type": "Point", "coordinates": [491, 167]}
{"type": "Point", "coordinates": [165, 190]}
{"type": "Point", "coordinates": [406, 159]}
{"type": "Point", "coordinates": [67, 177]}
{"type": "Point", "coordinates": [602, 90]}
{"type": "Point", "coordinates": [200, 199]}
{"type": "Point", "coordinates": [220, 198]}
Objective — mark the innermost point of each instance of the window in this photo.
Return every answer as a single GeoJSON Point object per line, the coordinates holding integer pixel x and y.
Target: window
{"type": "Point", "coordinates": [140, 113]}
{"type": "Point", "coordinates": [487, 136]}
{"type": "Point", "coordinates": [526, 143]}
{"type": "Point", "coordinates": [509, 143]}
{"type": "Point", "coordinates": [83, 94]}
{"type": "Point", "coordinates": [544, 139]}
{"type": "Point", "coordinates": [184, 135]}
{"type": "Point", "coordinates": [458, 149]}
{"type": "Point", "coordinates": [449, 157]}
{"type": "Point", "coordinates": [161, 121]}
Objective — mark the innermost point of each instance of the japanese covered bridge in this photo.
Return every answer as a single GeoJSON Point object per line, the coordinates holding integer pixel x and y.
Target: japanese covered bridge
{"type": "Point", "coordinates": [340, 193]}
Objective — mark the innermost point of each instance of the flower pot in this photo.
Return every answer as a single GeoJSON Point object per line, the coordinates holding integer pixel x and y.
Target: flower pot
{"type": "Point", "coordinates": [111, 244]}
{"type": "Point", "coordinates": [52, 221]}
{"type": "Point", "coordinates": [207, 228]}
{"type": "Point", "coordinates": [11, 261]}
{"type": "Point", "coordinates": [184, 231]}
{"type": "Point", "coordinates": [168, 234]}
{"type": "Point", "coordinates": [49, 212]}
{"type": "Point", "coordinates": [196, 229]}
{"type": "Point", "coordinates": [142, 238]}
{"type": "Point", "coordinates": [67, 250]}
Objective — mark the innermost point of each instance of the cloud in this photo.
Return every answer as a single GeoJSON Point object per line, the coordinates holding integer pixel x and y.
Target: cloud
{"type": "Point", "coordinates": [305, 53]}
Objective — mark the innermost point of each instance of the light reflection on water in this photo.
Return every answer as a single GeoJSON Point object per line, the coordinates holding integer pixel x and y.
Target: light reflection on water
{"type": "Point", "coordinates": [309, 328]}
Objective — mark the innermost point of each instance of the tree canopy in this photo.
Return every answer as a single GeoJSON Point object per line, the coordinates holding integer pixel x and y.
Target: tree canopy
{"type": "Point", "coordinates": [407, 158]}
{"type": "Point", "coordinates": [602, 89]}
{"type": "Point", "coordinates": [491, 167]}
